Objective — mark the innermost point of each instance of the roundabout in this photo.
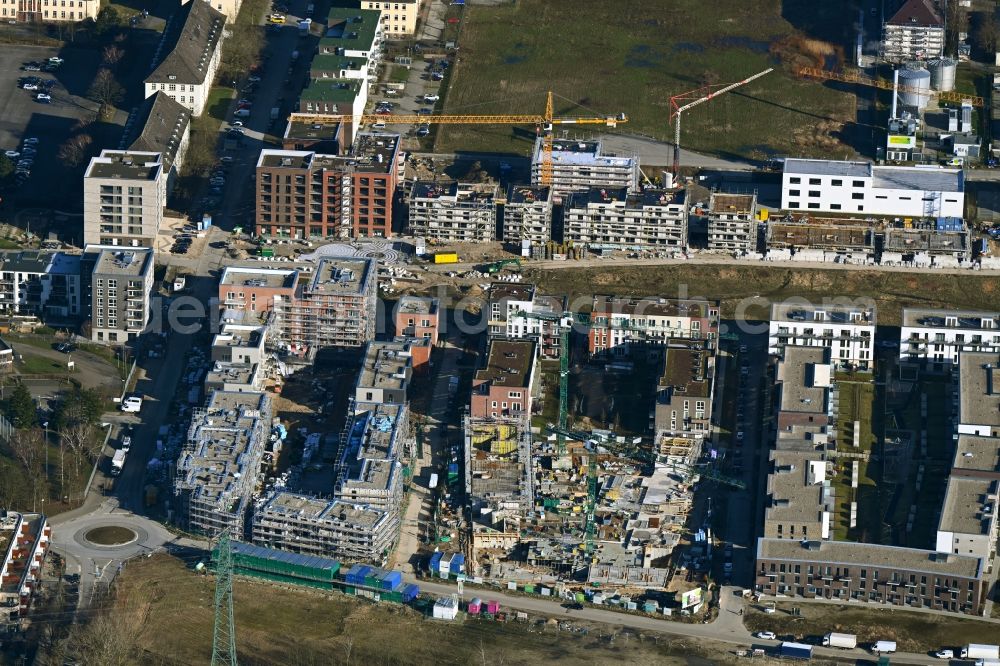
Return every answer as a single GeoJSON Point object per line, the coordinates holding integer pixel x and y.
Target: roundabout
{"type": "Point", "coordinates": [110, 535]}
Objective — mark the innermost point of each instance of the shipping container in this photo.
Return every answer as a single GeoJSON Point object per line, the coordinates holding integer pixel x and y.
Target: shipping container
{"type": "Point", "coordinates": [445, 258]}
{"type": "Point", "coordinates": [457, 564]}
{"type": "Point", "coordinates": [392, 580]}
{"type": "Point", "coordinates": [492, 607]}
{"type": "Point", "coordinates": [410, 592]}
{"type": "Point", "coordinates": [436, 561]}
{"type": "Point", "coordinates": [474, 606]}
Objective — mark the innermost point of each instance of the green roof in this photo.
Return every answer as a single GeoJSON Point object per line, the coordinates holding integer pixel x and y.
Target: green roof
{"type": "Point", "coordinates": [329, 62]}
{"type": "Point", "coordinates": [351, 28]}
{"type": "Point", "coordinates": [326, 90]}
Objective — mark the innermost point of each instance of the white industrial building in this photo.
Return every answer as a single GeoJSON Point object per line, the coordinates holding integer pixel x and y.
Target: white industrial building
{"type": "Point", "coordinates": [831, 186]}
{"type": "Point", "coordinates": [937, 337]}
{"type": "Point", "coordinates": [847, 331]}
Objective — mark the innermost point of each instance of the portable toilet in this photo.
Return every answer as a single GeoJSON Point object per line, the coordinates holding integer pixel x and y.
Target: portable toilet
{"type": "Point", "coordinates": [457, 564]}
{"type": "Point", "coordinates": [492, 607]}
{"type": "Point", "coordinates": [474, 606]}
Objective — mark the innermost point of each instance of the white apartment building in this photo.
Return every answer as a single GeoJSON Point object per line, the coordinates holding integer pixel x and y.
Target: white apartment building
{"type": "Point", "coordinates": [24, 540]}
{"type": "Point", "coordinates": [48, 11]}
{"type": "Point", "coordinates": [915, 32]}
{"type": "Point", "coordinates": [732, 223]}
{"type": "Point", "coordinates": [399, 17]}
{"type": "Point", "coordinates": [228, 8]}
{"type": "Point", "coordinates": [190, 52]}
{"type": "Point", "coordinates": [453, 212]}
{"type": "Point", "coordinates": [119, 281]}
{"type": "Point", "coordinates": [613, 218]}
{"type": "Point", "coordinates": [124, 194]}
{"type": "Point", "coordinates": [506, 300]}
{"type": "Point", "coordinates": [848, 332]}
{"type": "Point", "coordinates": [936, 337]}
{"type": "Point", "coordinates": [43, 284]}
{"type": "Point", "coordinates": [527, 214]}
{"type": "Point", "coordinates": [580, 165]}
{"type": "Point", "coordinates": [832, 186]}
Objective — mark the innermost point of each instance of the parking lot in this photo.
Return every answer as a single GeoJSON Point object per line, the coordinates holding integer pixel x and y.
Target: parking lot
{"type": "Point", "coordinates": [424, 79]}
{"type": "Point", "coordinates": [22, 116]}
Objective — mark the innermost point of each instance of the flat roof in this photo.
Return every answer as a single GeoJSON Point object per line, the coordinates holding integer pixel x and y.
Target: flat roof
{"type": "Point", "coordinates": [956, 319]}
{"type": "Point", "coordinates": [127, 165]}
{"type": "Point", "coordinates": [581, 153]}
{"type": "Point", "coordinates": [331, 62]}
{"type": "Point", "coordinates": [508, 363]}
{"type": "Point", "coordinates": [331, 90]}
{"type": "Point", "coordinates": [131, 262]}
{"type": "Point", "coordinates": [351, 28]}
{"type": "Point", "coordinates": [385, 365]}
{"type": "Point", "coordinates": [732, 203]}
{"type": "Point", "coordinates": [979, 388]}
{"type": "Point", "coordinates": [325, 131]}
{"type": "Point", "coordinates": [974, 453]}
{"type": "Point", "coordinates": [794, 165]}
{"type": "Point", "coordinates": [795, 376]}
{"type": "Point", "coordinates": [793, 498]}
{"type": "Point", "coordinates": [511, 291]}
{"type": "Point", "coordinates": [963, 510]}
{"type": "Point", "coordinates": [662, 307]}
{"type": "Point", "coordinates": [259, 277]}
{"type": "Point", "coordinates": [859, 315]}
{"type": "Point", "coordinates": [375, 152]}
{"type": "Point", "coordinates": [930, 179]}
{"type": "Point", "coordinates": [418, 305]}
{"type": "Point", "coordinates": [528, 194]}
{"type": "Point", "coordinates": [288, 159]}
{"type": "Point", "coordinates": [342, 276]}
{"type": "Point", "coordinates": [232, 373]}
{"type": "Point", "coordinates": [26, 261]}
{"type": "Point", "coordinates": [869, 555]}
{"type": "Point", "coordinates": [685, 369]}
{"type": "Point", "coordinates": [235, 335]}
{"type": "Point", "coordinates": [454, 190]}
{"type": "Point", "coordinates": [298, 508]}
{"type": "Point", "coordinates": [926, 240]}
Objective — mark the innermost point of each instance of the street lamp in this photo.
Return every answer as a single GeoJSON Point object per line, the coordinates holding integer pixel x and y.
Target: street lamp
{"type": "Point", "coordinates": [45, 425]}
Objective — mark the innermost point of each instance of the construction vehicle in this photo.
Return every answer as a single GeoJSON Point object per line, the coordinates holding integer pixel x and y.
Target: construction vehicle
{"type": "Point", "coordinates": [693, 99]}
{"type": "Point", "coordinates": [497, 266]}
{"type": "Point", "coordinates": [855, 76]}
{"type": "Point", "coordinates": [543, 121]}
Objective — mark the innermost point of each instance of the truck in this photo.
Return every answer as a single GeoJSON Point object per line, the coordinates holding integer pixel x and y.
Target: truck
{"type": "Point", "coordinates": [845, 641]}
{"type": "Point", "coordinates": [118, 462]}
{"type": "Point", "coordinates": [980, 651]}
{"type": "Point", "coordinates": [445, 258]}
{"type": "Point", "coordinates": [795, 650]}
{"type": "Point", "coordinates": [987, 662]}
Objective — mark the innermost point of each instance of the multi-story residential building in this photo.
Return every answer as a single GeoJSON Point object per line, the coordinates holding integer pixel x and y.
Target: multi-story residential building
{"type": "Point", "coordinates": [418, 318]}
{"type": "Point", "coordinates": [979, 394]}
{"type": "Point", "coordinates": [124, 195]}
{"type": "Point", "coordinates": [324, 138]}
{"type": "Point", "coordinates": [399, 17]}
{"type": "Point", "coordinates": [228, 8]}
{"type": "Point", "coordinates": [336, 97]}
{"type": "Point", "coordinates": [43, 284]}
{"type": "Point", "coordinates": [732, 224]}
{"type": "Point", "coordinates": [322, 527]}
{"type": "Point", "coordinates": [309, 195]}
{"type": "Point", "coordinates": [453, 212]}
{"type": "Point", "coordinates": [619, 324]}
{"type": "Point", "coordinates": [581, 165]}
{"type": "Point", "coordinates": [239, 343]}
{"type": "Point", "coordinates": [337, 308]}
{"type": "Point", "coordinates": [867, 572]}
{"type": "Point", "coordinates": [935, 338]}
{"type": "Point", "coordinates": [507, 299]}
{"type": "Point", "coordinates": [847, 330]}
{"type": "Point", "coordinates": [190, 52]}
{"type": "Point", "coordinates": [915, 32]}
{"type": "Point", "coordinates": [386, 371]}
{"type": "Point", "coordinates": [116, 286]}
{"type": "Point", "coordinates": [48, 11]}
{"type": "Point", "coordinates": [234, 377]}
{"type": "Point", "coordinates": [831, 186]}
{"type": "Point", "coordinates": [613, 218]}
{"type": "Point", "coordinates": [969, 517]}
{"type": "Point", "coordinates": [24, 541]}
{"type": "Point", "coordinates": [352, 32]}
{"type": "Point", "coordinates": [370, 471]}
{"type": "Point", "coordinates": [503, 387]}
{"type": "Point", "coordinates": [527, 214]}
{"type": "Point", "coordinates": [160, 125]}
{"type": "Point", "coordinates": [219, 466]}
{"type": "Point", "coordinates": [805, 417]}
{"type": "Point", "coordinates": [336, 66]}
{"type": "Point", "coordinates": [253, 292]}
{"type": "Point", "coordinates": [684, 390]}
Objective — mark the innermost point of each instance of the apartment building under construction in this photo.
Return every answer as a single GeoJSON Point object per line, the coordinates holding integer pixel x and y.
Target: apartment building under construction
{"type": "Point", "coordinates": [335, 309]}
{"type": "Point", "coordinates": [453, 212]}
{"type": "Point", "coordinates": [611, 218]}
{"type": "Point", "coordinates": [498, 472]}
{"type": "Point", "coordinates": [527, 214]}
{"type": "Point", "coordinates": [732, 224]}
{"type": "Point", "coordinates": [218, 468]}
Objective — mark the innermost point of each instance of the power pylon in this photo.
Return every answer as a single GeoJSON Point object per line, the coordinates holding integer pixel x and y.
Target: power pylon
{"type": "Point", "coordinates": [224, 635]}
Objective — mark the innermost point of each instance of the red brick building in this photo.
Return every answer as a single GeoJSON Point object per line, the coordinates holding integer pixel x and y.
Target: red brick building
{"type": "Point", "coordinates": [417, 317]}
{"type": "Point", "coordinates": [503, 387]}
{"type": "Point", "coordinates": [255, 290]}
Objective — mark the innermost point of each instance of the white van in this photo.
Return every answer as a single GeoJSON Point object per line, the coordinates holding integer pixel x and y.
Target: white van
{"type": "Point", "coordinates": [132, 404]}
{"type": "Point", "coordinates": [379, 125]}
{"type": "Point", "coordinates": [884, 647]}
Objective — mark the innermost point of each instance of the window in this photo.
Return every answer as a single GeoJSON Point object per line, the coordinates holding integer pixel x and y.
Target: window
{"type": "Point", "coordinates": [814, 193]}
{"type": "Point", "coordinates": [905, 198]}
{"type": "Point", "coordinates": [794, 181]}
{"type": "Point", "coordinates": [793, 193]}
{"type": "Point", "coordinates": [814, 204]}
{"type": "Point", "coordinates": [858, 195]}
{"type": "Point", "coordinates": [837, 182]}
{"type": "Point", "coordinates": [793, 204]}
{"type": "Point", "coordinates": [835, 206]}
{"type": "Point", "coordinates": [815, 181]}
{"type": "Point", "coordinates": [858, 183]}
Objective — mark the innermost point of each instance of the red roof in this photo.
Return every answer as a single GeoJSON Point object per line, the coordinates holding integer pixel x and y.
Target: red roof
{"type": "Point", "coordinates": [917, 12]}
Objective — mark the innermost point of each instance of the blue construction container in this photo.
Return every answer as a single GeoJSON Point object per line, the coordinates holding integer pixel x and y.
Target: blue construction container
{"type": "Point", "coordinates": [457, 564]}
{"type": "Point", "coordinates": [453, 468]}
{"type": "Point", "coordinates": [410, 592]}
{"type": "Point", "coordinates": [392, 581]}
{"type": "Point", "coordinates": [357, 574]}
{"type": "Point", "coordinates": [435, 561]}
{"type": "Point", "coordinates": [351, 574]}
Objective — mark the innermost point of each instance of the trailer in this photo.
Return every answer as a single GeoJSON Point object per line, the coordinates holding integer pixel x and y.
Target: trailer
{"type": "Point", "coordinates": [844, 641]}
{"type": "Point", "coordinates": [795, 650]}
{"type": "Point", "coordinates": [980, 651]}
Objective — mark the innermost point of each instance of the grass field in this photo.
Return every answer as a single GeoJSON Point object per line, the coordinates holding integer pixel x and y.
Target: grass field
{"type": "Point", "coordinates": [604, 58]}
{"type": "Point", "coordinates": [734, 286]}
{"type": "Point", "coordinates": [856, 396]}
{"type": "Point", "coordinates": [277, 625]}
{"type": "Point", "coordinates": [218, 101]}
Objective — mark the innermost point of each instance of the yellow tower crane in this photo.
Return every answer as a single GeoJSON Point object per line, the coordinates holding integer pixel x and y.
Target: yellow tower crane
{"type": "Point", "coordinates": [855, 76]}
{"type": "Point", "coordinates": [544, 122]}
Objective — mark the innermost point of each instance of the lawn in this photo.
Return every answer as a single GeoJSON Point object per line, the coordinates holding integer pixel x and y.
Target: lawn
{"type": "Point", "coordinates": [399, 74]}
{"type": "Point", "coordinates": [36, 365]}
{"type": "Point", "coordinates": [604, 58]}
{"type": "Point", "coordinates": [747, 291]}
{"type": "Point", "coordinates": [219, 98]}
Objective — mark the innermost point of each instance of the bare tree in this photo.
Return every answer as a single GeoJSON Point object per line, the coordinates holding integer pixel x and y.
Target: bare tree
{"type": "Point", "coordinates": [112, 55]}
{"type": "Point", "coordinates": [75, 149]}
{"type": "Point", "coordinates": [26, 444]}
{"type": "Point", "coordinates": [105, 90]}
{"type": "Point", "coordinates": [79, 438]}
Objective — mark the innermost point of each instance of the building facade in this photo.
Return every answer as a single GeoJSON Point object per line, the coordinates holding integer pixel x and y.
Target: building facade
{"type": "Point", "coordinates": [732, 223]}
{"type": "Point", "coordinates": [612, 218]}
{"type": "Point", "coordinates": [848, 331]}
{"type": "Point", "coordinates": [915, 32]}
{"type": "Point", "coordinates": [684, 390]}
{"type": "Point", "coordinates": [509, 307]}
{"type": "Point", "coordinates": [24, 542]}
{"type": "Point", "coordinates": [578, 166]}
{"type": "Point", "coordinates": [43, 284]}
{"type": "Point", "coordinates": [253, 292]}
{"type": "Point", "coordinates": [48, 11]}
{"type": "Point", "coordinates": [830, 186]}
{"type": "Point", "coordinates": [117, 289]}
{"type": "Point", "coordinates": [453, 212]}
{"type": "Point", "coordinates": [399, 17]}
{"type": "Point", "coordinates": [617, 325]}
{"type": "Point", "coordinates": [527, 214]}
{"type": "Point", "coordinates": [935, 338]}
{"type": "Point", "coordinates": [124, 195]}
{"type": "Point", "coordinates": [190, 52]}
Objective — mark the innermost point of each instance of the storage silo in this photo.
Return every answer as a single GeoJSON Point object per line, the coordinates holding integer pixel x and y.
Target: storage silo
{"type": "Point", "coordinates": [943, 74]}
{"type": "Point", "coordinates": [917, 80]}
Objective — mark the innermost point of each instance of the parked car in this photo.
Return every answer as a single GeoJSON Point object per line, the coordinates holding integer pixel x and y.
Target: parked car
{"type": "Point", "coordinates": [253, 78]}
{"type": "Point", "coordinates": [276, 19]}
{"type": "Point", "coordinates": [765, 635]}
{"type": "Point", "coordinates": [12, 154]}
{"type": "Point", "coordinates": [64, 347]}
{"type": "Point", "coordinates": [30, 141]}
{"type": "Point", "coordinates": [945, 654]}
{"type": "Point", "coordinates": [432, 98]}
{"type": "Point", "coordinates": [30, 86]}
{"type": "Point", "coordinates": [44, 98]}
